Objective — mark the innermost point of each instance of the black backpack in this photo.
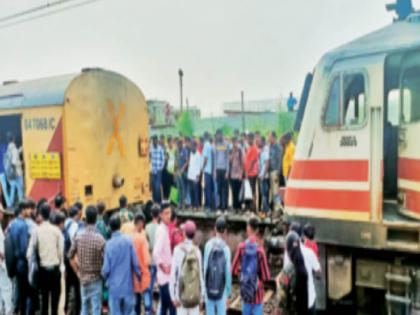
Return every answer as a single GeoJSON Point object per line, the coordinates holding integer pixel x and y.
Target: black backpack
{"type": "Point", "coordinates": [10, 257]}
{"type": "Point", "coordinates": [216, 273]}
{"type": "Point", "coordinates": [249, 273]}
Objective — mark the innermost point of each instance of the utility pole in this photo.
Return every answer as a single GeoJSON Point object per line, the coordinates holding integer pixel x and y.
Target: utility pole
{"type": "Point", "coordinates": [188, 104]}
{"type": "Point", "coordinates": [243, 111]}
{"type": "Point", "coordinates": [181, 74]}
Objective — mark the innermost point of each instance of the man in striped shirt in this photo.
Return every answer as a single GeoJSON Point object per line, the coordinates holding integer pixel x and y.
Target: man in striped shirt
{"type": "Point", "coordinates": [256, 307]}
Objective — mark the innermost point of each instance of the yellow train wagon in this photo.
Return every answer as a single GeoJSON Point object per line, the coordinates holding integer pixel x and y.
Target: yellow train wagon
{"type": "Point", "coordinates": [83, 135]}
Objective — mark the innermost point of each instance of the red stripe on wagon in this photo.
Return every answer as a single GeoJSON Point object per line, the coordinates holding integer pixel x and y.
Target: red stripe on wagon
{"type": "Point", "coordinates": [333, 170]}
{"type": "Point", "coordinates": [328, 199]}
{"type": "Point", "coordinates": [409, 169]}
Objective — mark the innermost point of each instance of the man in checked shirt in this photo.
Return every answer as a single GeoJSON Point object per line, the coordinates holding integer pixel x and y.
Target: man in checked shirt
{"type": "Point", "coordinates": [256, 307]}
{"type": "Point", "coordinates": [88, 247]}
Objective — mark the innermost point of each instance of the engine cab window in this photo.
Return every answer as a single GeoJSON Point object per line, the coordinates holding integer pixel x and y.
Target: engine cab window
{"type": "Point", "coordinates": [393, 109]}
{"type": "Point", "coordinates": [354, 100]}
{"type": "Point", "coordinates": [346, 105]}
{"type": "Point", "coordinates": [411, 95]}
{"type": "Point", "coordinates": [332, 111]}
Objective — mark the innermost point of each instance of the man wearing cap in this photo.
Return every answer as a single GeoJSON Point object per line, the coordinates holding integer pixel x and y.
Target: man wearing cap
{"type": "Point", "coordinates": [180, 253]}
{"type": "Point", "coordinates": [162, 256]}
{"type": "Point", "coordinates": [218, 306]}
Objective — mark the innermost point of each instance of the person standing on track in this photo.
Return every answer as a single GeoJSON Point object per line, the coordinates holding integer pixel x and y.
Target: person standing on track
{"type": "Point", "coordinates": [86, 257]}
{"type": "Point", "coordinates": [157, 159]}
{"type": "Point", "coordinates": [120, 264]}
{"type": "Point", "coordinates": [141, 247]}
{"type": "Point", "coordinates": [251, 169]}
{"type": "Point", "coordinates": [151, 229]}
{"type": "Point", "coordinates": [162, 256]}
{"type": "Point", "coordinates": [217, 276]}
{"type": "Point", "coordinates": [186, 279]}
{"type": "Point", "coordinates": [250, 264]}
{"type": "Point", "coordinates": [48, 241]}
{"type": "Point", "coordinates": [236, 170]}
{"type": "Point", "coordinates": [207, 170]}
{"type": "Point", "coordinates": [221, 166]}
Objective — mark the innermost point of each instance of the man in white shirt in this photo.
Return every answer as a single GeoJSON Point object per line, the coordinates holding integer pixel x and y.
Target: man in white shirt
{"type": "Point", "coordinates": [311, 263]}
{"type": "Point", "coordinates": [48, 241]}
{"type": "Point", "coordinates": [194, 169]}
{"type": "Point", "coordinates": [180, 252]}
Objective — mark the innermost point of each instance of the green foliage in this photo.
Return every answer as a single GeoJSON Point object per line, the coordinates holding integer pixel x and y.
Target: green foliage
{"type": "Point", "coordinates": [227, 130]}
{"type": "Point", "coordinates": [285, 122]}
{"type": "Point", "coordinates": [185, 125]}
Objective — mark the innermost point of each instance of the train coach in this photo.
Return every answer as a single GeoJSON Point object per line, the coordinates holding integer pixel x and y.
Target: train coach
{"type": "Point", "coordinates": [83, 135]}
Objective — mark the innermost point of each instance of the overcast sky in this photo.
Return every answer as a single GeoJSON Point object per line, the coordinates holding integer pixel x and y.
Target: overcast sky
{"type": "Point", "coordinates": [264, 47]}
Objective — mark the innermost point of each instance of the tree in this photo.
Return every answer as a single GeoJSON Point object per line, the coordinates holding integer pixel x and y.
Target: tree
{"type": "Point", "coordinates": [185, 125]}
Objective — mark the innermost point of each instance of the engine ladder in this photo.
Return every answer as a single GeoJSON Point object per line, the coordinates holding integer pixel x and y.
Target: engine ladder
{"type": "Point", "coordinates": [391, 298]}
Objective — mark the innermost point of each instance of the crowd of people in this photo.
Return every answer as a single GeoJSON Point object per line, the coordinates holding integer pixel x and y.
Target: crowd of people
{"type": "Point", "coordinates": [116, 262]}
{"type": "Point", "coordinates": [237, 173]}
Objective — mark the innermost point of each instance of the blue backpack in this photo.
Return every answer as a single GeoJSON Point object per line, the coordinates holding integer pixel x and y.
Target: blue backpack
{"type": "Point", "coordinates": [249, 273]}
{"type": "Point", "coordinates": [216, 272]}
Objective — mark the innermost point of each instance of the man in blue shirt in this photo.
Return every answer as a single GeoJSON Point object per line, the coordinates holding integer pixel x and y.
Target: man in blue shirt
{"type": "Point", "coordinates": [120, 263]}
{"type": "Point", "coordinates": [19, 231]}
{"type": "Point", "coordinates": [291, 102]}
{"type": "Point", "coordinates": [157, 159]}
{"type": "Point", "coordinates": [218, 305]}
{"type": "Point", "coordinates": [208, 172]}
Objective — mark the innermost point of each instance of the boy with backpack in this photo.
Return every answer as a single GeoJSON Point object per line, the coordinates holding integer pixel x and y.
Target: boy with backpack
{"type": "Point", "coordinates": [186, 285]}
{"type": "Point", "coordinates": [250, 264]}
{"type": "Point", "coordinates": [217, 275]}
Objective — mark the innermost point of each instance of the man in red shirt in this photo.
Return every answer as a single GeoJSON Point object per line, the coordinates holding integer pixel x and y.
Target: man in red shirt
{"type": "Point", "coordinates": [242, 259]}
{"type": "Point", "coordinates": [251, 168]}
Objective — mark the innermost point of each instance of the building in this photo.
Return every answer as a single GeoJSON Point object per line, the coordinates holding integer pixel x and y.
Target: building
{"type": "Point", "coordinates": [255, 106]}
{"type": "Point", "coordinates": [161, 113]}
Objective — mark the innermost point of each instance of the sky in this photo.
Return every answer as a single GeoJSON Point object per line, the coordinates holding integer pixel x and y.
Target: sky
{"type": "Point", "coordinates": [263, 47]}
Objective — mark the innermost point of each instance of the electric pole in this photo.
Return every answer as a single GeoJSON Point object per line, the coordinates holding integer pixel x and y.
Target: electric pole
{"type": "Point", "coordinates": [243, 111]}
{"type": "Point", "coordinates": [181, 74]}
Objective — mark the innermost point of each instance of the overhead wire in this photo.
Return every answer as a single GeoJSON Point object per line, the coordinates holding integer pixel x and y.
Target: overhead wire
{"type": "Point", "coordinates": [34, 10]}
{"type": "Point", "coordinates": [40, 8]}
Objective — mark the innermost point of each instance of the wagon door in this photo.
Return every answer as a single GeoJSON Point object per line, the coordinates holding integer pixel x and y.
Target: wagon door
{"type": "Point", "coordinates": [409, 133]}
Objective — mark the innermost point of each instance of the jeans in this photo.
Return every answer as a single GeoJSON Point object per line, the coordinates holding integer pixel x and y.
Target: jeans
{"type": "Point", "coordinates": [235, 185]}
{"type": "Point", "coordinates": [153, 273]}
{"type": "Point", "coordinates": [156, 187]}
{"type": "Point", "coordinates": [264, 193]}
{"type": "Point", "coordinates": [181, 190]}
{"type": "Point", "coordinates": [252, 309]}
{"type": "Point", "coordinates": [222, 188]}
{"type": "Point", "coordinates": [50, 289]}
{"type": "Point", "coordinates": [25, 293]}
{"type": "Point", "coordinates": [16, 185]}
{"type": "Point", "coordinates": [72, 282]}
{"type": "Point", "coordinates": [216, 307]}
{"type": "Point", "coordinates": [165, 301]}
{"type": "Point", "coordinates": [91, 298]}
{"type": "Point", "coordinates": [121, 305]}
{"type": "Point", "coordinates": [209, 191]}
{"type": "Point", "coordinates": [187, 190]}
{"type": "Point", "coordinates": [194, 193]}
{"type": "Point", "coordinates": [146, 296]}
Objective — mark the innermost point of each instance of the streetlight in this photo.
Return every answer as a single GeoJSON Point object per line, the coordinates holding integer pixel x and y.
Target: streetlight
{"type": "Point", "coordinates": [181, 74]}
